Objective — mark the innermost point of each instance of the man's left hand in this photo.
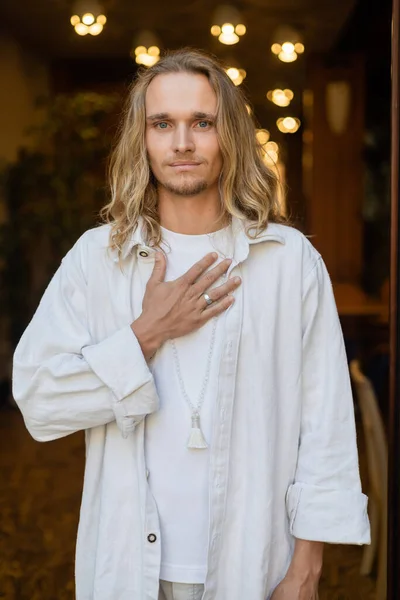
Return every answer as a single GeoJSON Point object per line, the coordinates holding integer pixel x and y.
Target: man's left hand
{"type": "Point", "coordinates": [302, 578]}
{"type": "Point", "coordinates": [292, 589]}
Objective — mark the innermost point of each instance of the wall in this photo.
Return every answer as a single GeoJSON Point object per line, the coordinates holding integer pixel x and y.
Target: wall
{"type": "Point", "coordinates": [23, 77]}
{"type": "Point", "coordinates": [335, 171]}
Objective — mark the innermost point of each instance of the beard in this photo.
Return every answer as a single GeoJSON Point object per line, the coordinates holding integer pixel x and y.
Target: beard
{"type": "Point", "coordinates": [185, 188]}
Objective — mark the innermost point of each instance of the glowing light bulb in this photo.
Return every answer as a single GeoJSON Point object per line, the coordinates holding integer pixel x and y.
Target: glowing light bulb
{"type": "Point", "coordinates": [288, 124]}
{"type": "Point", "coordinates": [233, 73]}
{"type": "Point", "coordinates": [271, 157]}
{"type": "Point", "coordinates": [215, 30]}
{"type": "Point", "coordinates": [240, 29]}
{"type": "Point", "coordinates": [88, 19]}
{"type": "Point", "coordinates": [96, 29]}
{"type": "Point", "coordinates": [228, 38]}
{"type": "Point", "coordinates": [75, 20]}
{"type": "Point", "coordinates": [236, 75]}
{"type": "Point", "coordinates": [288, 48]}
{"type": "Point", "coordinates": [228, 28]}
{"type": "Point", "coordinates": [272, 147]}
{"type": "Point", "coordinates": [262, 136]}
{"type": "Point", "coordinates": [144, 57]}
{"type": "Point", "coordinates": [154, 51]}
{"type": "Point", "coordinates": [81, 29]}
{"type": "Point", "coordinates": [280, 99]}
{"type": "Point", "coordinates": [287, 58]}
{"type": "Point", "coordinates": [102, 19]}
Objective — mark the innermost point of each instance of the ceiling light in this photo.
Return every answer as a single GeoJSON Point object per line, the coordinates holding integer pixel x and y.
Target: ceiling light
{"type": "Point", "coordinates": [262, 136]}
{"type": "Point", "coordinates": [288, 124]}
{"type": "Point", "coordinates": [227, 25]}
{"type": "Point", "coordinates": [88, 17]}
{"type": "Point", "coordinates": [145, 58]}
{"type": "Point", "coordinates": [236, 75]}
{"type": "Point", "coordinates": [271, 157]}
{"type": "Point", "coordinates": [270, 149]}
{"type": "Point", "coordinates": [287, 45]}
{"type": "Point", "coordinates": [280, 97]}
{"type": "Point", "coordinates": [228, 35]}
{"type": "Point", "coordinates": [146, 49]}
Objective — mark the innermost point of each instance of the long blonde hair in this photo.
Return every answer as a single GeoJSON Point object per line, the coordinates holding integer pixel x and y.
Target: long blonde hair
{"type": "Point", "coordinates": [248, 187]}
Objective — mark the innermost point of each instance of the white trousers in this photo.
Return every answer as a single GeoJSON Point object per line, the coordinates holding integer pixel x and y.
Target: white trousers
{"type": "Point", "coordinates": [180, 591]}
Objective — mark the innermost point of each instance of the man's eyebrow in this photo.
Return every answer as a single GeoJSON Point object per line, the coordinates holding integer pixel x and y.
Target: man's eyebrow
{"type": "Point", "coordinates": [204, 115]}
{"type": "Point", "coordinates": [195, 115]}
{"type": "Point", "coordinates": [157, 116]}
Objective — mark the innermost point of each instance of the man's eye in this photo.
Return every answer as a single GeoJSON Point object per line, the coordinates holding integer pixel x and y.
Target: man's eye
{"type": "Point", "coordinates": [204, 124]}
{"type": "Point", "coordinates": [161, 125]}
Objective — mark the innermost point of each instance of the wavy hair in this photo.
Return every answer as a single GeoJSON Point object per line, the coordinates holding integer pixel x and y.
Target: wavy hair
{"type": "Point", "coordinates": [248, 187]}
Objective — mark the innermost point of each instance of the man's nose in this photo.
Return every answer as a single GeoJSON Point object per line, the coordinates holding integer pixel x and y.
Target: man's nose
{"type": "Point", "coordinates": [183, 139]}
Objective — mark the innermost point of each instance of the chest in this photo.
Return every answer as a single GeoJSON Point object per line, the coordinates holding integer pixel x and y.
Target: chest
{"type": "Point", "coordinates": [269, 298]}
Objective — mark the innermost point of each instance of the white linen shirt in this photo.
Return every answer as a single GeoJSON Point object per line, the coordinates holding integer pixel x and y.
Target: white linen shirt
{"type": "Point", "coordinates": [284, 460]}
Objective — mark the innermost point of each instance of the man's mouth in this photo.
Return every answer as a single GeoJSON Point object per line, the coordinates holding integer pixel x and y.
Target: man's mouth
{"type": "Point", "coordinates": [184, 165]}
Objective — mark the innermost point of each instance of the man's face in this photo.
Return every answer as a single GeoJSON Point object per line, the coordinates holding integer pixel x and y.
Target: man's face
{"type": "Point", "coordinates": [181, 138]}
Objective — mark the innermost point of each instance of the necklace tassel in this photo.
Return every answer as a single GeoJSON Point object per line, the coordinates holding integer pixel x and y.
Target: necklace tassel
{"type": "Point", "coordinates": [196, 438]}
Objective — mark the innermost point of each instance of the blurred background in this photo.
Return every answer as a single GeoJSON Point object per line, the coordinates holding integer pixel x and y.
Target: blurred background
{"type": "Point", "coordinates": [317, 79]}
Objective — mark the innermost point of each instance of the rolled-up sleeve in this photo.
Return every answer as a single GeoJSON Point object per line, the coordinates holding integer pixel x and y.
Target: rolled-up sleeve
{"type": "Point", "coordinates": [325, 503]}
{"type": "Point", "coordinates": [64, 382]}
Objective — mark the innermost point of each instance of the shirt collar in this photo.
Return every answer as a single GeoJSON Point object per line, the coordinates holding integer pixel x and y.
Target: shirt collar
{"type": "Point", "coordinates": [272, 233]}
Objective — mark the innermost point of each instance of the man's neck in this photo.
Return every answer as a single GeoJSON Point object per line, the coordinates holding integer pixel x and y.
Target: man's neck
{"type": "Point", "coordinates": [191, 215]}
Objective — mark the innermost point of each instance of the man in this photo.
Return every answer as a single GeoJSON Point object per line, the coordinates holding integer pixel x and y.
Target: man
{"type": "Point", "coordinates": [196, 341]}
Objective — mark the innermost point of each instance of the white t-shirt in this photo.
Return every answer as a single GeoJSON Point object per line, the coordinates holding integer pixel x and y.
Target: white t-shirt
{"type": "Point", "coordinates": [179, 476]}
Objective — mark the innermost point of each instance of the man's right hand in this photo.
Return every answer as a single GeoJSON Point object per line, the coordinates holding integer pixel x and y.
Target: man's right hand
{"type": "Point", "coordinates": [175, 308]}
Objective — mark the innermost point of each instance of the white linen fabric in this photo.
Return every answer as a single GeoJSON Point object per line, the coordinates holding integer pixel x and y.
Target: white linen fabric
{"type": "Point", "coordinates": [283, 463]}
{"type": "Point", "coordinates": [179, 476]}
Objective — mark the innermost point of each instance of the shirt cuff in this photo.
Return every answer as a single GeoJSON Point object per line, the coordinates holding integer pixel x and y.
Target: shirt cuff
{"type": "Point", "coordinates": [119, 362]}
{"type": "Point", "coordinates": [325, 515]}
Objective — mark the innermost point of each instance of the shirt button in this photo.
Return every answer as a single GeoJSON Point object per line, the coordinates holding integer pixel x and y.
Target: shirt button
{"type": "Point", "coordinates": [152, 538]}
{"type": "Point", "coordinates": [143, 253]}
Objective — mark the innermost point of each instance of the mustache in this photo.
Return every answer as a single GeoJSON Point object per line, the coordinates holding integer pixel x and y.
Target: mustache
{"type": "Point", "coordinates": [183, 158]}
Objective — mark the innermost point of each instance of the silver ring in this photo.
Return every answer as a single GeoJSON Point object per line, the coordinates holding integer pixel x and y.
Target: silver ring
{"type": "Point", "coordinates": [207, 299]}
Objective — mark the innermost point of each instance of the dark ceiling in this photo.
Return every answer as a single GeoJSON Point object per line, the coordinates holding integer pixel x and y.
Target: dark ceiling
{"type": "Point", "coordinates": [44, 26]}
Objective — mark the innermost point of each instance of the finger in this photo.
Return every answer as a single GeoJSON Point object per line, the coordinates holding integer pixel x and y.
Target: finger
{"type": "Point", "coordinates": [210, 277]}
{"type": "Point", "coordinates": [198, 268]}
{"type": "Point", "coordinates": [216, 308]}
{"type": "Point", "coordinates": [219, 292]}
{"type": "Point", "coordinates": [159, 269]}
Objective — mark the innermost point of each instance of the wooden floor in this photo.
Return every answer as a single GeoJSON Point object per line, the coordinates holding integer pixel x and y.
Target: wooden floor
{"type": "Point", "coordinates": [40, 490]}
